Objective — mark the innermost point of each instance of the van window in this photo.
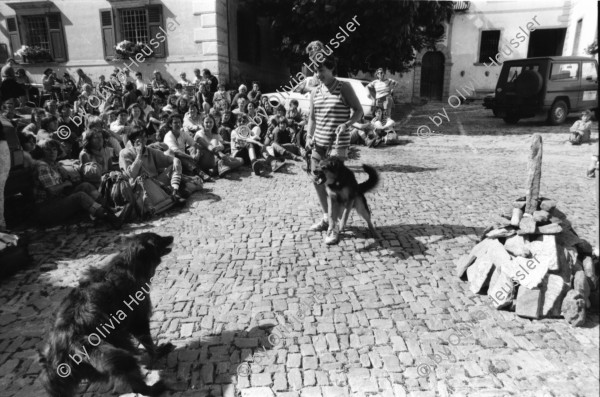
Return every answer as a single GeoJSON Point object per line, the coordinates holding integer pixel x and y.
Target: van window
{"type": "Point", "coordinates": [589, 71]}
{"type": "Point", "coordinates": [564, 71]}
{"type": "Point", "coordinates": [515, 71]}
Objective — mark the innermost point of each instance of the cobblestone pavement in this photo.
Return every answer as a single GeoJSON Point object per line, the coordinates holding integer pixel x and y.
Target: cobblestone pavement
{"type": "Point", "coordinates": [361, 318]}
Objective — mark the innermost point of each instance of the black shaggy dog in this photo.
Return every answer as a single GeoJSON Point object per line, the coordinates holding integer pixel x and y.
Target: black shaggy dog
{"type": "Point", "coordinates": [92, 336]}
{"type": "Point", "coordinates": [345, 193]}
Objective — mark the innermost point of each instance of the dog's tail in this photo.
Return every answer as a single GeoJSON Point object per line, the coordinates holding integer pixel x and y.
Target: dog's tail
{"type": "Point", "coordinates": [371, 182]}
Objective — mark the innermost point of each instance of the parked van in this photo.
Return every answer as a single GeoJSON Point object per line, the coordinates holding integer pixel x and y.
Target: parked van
{"type": "Point", "coordinates": [549, 86]}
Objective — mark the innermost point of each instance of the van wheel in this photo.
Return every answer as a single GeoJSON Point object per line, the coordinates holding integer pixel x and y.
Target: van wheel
{"type": "Point", "coordinates": [558, 113]}
{"type": "Point", "coordinates": [511, 118]}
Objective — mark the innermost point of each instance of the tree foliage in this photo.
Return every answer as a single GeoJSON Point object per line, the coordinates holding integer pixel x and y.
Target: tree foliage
{"type": "Point", "coordinates": [390, 31]}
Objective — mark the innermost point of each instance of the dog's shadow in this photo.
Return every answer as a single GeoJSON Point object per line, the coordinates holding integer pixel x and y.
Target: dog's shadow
{"type": "Point", "coordinates": [209, 362]}
{"type": "Point", "coordinates": [404, 241]}
{"type": "Point", "coordinates": [395, 168]}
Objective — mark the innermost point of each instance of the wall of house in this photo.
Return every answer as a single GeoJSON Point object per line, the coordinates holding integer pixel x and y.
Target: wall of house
{"type": "Point", "coordinates": [198, 38]}
{"type": "Point", "coordinates": [587, 11]}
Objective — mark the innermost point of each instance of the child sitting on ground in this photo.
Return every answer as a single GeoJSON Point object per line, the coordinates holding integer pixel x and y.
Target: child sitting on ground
{"type": "Point", "coordinates": [581, 130]}
{"type": "Point", "coordinates": [383, 126]}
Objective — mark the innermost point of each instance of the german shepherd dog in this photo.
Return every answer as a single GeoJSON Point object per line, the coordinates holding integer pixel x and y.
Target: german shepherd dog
{"type": "Point", "coordinates": [92, 336]}
{"type": "Point", "coordinates": [344, 192]}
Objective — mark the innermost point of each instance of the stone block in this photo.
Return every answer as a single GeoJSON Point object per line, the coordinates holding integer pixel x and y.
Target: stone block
{"type": "Point", "coordinates": [527, 225]}
{"type": "Point", "coordinates": [544, 249]}
{"type": "Point", "coordinates": [501, 289]}
{"type": "Point", "coordinates": [552, 228]}
{"type": "Point", "coordinates": [515, 245]}
{"type": "Point", "coordinates": [479, 273]}
{"type": "Point", "coordinates": [517, 215]}
{"type": "Point", "coordinates": [467, 260]}
{"type": "Point", "coordinates": [573, 308]}
{"type": "Point", "coordinates": [529, 302]}
{"type": "Point", "coordinates": [547, 205]}
{"type": "Point", "coordinates": [502, 232]}
{"type": "Point", "coordinates": [527, 272]}
{"type": "Point", "coordinates": [554, 289]}
{"type": "Point", "coordinates": [541, 216]}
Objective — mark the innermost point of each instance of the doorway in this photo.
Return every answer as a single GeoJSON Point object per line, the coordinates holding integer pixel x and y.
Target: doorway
{"type": "Point", "coordinates": [432, 75]}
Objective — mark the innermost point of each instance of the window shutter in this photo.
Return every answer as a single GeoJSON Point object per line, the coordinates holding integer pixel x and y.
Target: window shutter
{"type": "Point", "coordinates": [155, 22]}
{"type": "Point", "coordinates": [13, 34]}
{"type": "Point", "coordinates": [57, 38]}
{"type": "Point", "coordinates": [108, 33]}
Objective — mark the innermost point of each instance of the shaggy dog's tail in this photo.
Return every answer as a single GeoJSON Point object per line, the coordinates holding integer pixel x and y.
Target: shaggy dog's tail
{"type": "Point", "coordinates": [371, 182]}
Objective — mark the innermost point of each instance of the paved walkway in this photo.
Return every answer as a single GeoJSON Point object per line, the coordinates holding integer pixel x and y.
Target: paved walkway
{"type": "Point", "coordinates": [359, 319]}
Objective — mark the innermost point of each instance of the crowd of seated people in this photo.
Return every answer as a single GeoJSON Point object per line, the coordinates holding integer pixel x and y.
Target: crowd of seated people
{"type": "Point", "coordinates": [173, 133]}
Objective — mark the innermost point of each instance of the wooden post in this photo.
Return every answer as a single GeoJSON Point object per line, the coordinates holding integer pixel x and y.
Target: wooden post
{"type": "Point", "coordinates": [534, 174]}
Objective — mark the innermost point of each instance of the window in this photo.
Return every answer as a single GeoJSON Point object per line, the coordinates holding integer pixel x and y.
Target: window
{"type": "Point", "coordinates": [564, 71]}
{"type": "Point", "coordinates": [488, 47]}
{"type": "Point", "coordinates": [589, 71]}
{"type": "Point", "coordinates": [134, 25]}
{"type": "Point", "coordinates": [44, 31]}
{"type": "Point", "coordinates": [515, 71]}
{"type": "Point", "coordinates": [138, 25]}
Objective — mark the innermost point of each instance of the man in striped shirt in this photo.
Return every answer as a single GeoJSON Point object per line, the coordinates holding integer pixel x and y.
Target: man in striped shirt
{"type": "Point", "coordinates": [382, 89]}
{"type": "Point", "coordinates": [329, 120]}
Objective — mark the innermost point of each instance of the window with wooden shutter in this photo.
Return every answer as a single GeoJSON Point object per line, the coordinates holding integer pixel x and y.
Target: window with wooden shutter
{"type": "Point", "coordinates": [13, 34]}
{"type": "Point", "coordinates": [57, 38]}
{"type": "Point", "coordinates": [108, 33]}
{"type": "Point", "coordinates": [142, 25]}
{"type": "Point", "coordinates": [155, 22]}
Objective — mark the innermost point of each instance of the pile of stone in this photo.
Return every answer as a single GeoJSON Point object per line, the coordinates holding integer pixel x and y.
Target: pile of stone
{"type": "Point", "coordinates": [532, 261]}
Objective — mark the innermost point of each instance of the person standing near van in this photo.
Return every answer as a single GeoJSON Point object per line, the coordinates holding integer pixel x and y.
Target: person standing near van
{"type": "Point", "coordinates": [382, 89]}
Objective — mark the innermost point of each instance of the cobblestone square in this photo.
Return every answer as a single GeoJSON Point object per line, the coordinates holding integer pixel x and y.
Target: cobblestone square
{"type": "Point", "coordinates": [362, 318]}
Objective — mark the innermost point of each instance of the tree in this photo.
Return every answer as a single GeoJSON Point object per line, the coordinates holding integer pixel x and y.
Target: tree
{"type": "Point", "coordinates": [388, 35]}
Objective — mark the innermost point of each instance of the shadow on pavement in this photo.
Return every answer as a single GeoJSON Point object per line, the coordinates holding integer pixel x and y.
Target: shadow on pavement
{"type": "Point", "coordinates": [402, 239]}
{"type": "Point", "coordinates": [394, 168]}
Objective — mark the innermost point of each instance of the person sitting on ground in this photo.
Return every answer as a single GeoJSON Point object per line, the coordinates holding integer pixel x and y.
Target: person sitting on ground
{"type": "Point", "coordinates": [130, 97]}
{"type": "Point", "coordinates": [36, 122]}
{"type": "Point", "coordinates": [254, 95]}
{"type": "Point", "coordinates": [50, 81]}
{"type": "Point", "coordinates": [178, 141]}
{"type": "Point", "coordinates": [266, 105]}
{"type": "Point", "coordinates": [183, 104]}
{"type": "Point", "coordinates": [57, 200]}
{"type": "Point", "coordinates": [95, 151]}
{"type": "Point", "coordinates": [28, 143]}
{"type": "Point", "coordinates": [136, 117]}
{"type": "Point", "coordinates": [593, 167]}
{"type": "Point", "coordinates": [241, 109]}
{"type": "Point", "coordinates": [183, 80]}
{"type": "Point", "coordinates": [171, 106]}
{"type": "Point", "coordinates": [382, 125]}
{"type": "Point", "coordinates": [297, 121]}
{"type": "Point", "coordinates": [281, 141]}
{"type": "Point", "coordinates": [259, 122]}
{"type": "Point", "coordinates": [120, 127]}
{"type": "Point", "coordinates": [221, 99]}
{"type": "Point", "coordinates": [159, 84]}
{"type": "Point", "coordinates": [209, 138]}
{"type": "Point", "coordinates": [581, 130]}
{"type": "Point", "coordinates": [96, 123]}
{"type": "Point", "coordinates": [244, 147]}
{"type": "Point", "coordinates": [83, 79]}
{"type": "Point", "coordinates": [242, 93]}
{"type": "Point", "coordinates": [178, 90]}
{"type": "Point", "coordinates": [192, 121]}
{"type": "Point", "coordinates": [138, 159]}
{"type": "Point", "coordinates": [141, 85]}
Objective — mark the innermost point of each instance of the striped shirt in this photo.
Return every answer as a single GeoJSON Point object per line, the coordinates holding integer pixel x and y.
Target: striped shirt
{"type": "Point", "coordinates": [382, 88]}
{"type": "Point", "coordinates": [330, 112]}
